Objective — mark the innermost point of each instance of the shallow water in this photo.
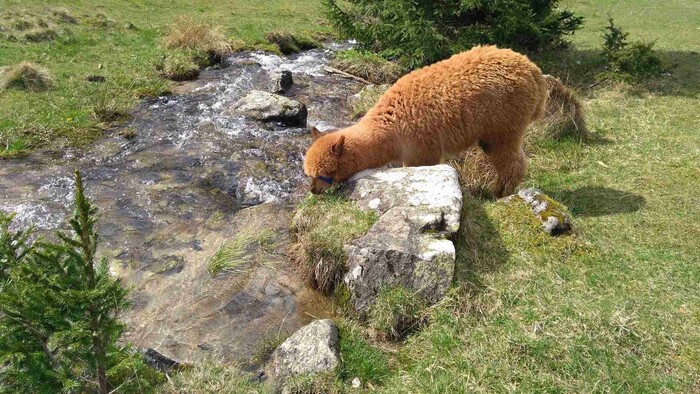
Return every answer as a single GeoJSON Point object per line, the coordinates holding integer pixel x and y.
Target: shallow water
{"type": "Point", "coordinates": [172, 195]}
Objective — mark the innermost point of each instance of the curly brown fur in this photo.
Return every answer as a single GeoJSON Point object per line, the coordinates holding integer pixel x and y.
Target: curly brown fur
{"type": "Point", "coordinates": [486, 96]}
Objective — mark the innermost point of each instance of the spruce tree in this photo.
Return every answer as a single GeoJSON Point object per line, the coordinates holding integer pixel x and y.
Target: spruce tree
{"type": "Point", "coordinates": [59, 311]}
{"type": "Point", "coordinates": [418, 32]}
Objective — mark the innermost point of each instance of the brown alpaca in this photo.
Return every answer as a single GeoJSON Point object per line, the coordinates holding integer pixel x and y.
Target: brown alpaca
{"type": "Point", "coordinates": [486, 96]}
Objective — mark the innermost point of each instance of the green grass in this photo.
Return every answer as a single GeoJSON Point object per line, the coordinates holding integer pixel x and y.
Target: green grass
{"type": "Point", "coordinates": [365, 99]}
{"type": "Point", "coordinates": [237, 254]}
{"type": "Point", "coordinates": [368, 66]}
{"type": "Point", "coordinates": [396, 312]}
{"type": "Point", "coordinates": [113, 39]}
{"type": "Point", "coordinates": [615, 307]}
{"type": "Point", "coordinates": [212, 378]}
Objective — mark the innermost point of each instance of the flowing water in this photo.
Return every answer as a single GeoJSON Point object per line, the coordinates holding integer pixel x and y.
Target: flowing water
{"type": "Point", "coordinates": [192, 177]}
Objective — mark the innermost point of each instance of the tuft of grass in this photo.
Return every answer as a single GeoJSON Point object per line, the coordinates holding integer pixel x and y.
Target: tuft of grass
{"type": "Point", "coordinates": [289, 43]}
{"type": "Point", "coordinates": [12, 146]}
{"type": "Point", "coordinates": [40, 35]}
{"type": "Point", "coordinates": [475, 172]}
{"type": "Point", "coordinates": [21, 24]}
{"type": "Point", "coordinates": [212, 377]}
{"type": "Point", "coordinates": [321, 227]}
{"type": "Point", "coordinates": [563, 114]}
{"type": "Point", "coordinates": [26, 76]}
{"type": "Point", "coordinates": [109, 107]}
{"type": "Point", "coordinates": [396, 313]}
{"type": "Point", "coordinates": [63, 16]}
{"type": "Point", "coordinates": [267, 347]}
{"type": "Point", "coordinates": [369, 66]}
{"type": "Point", "coordinates": [187, 33]}
{"type": "Point", "coordinates": [178, 66]}
{"type": "Point", "coordinates": [233, 256]}
{"type": "Point", "coordinates": [361, 102]}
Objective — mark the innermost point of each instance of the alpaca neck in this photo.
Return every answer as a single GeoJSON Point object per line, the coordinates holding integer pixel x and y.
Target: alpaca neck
{"type": "Point", "coordinates": [365, 149]}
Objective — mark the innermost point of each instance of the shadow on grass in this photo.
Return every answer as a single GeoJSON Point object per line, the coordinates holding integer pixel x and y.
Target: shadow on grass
{"type": "Point", "coordinates": [599, 201]}
{"type": "Point", "coordinates": [581, 69]}
{"type": "Point", "coordinates": [478, 246]}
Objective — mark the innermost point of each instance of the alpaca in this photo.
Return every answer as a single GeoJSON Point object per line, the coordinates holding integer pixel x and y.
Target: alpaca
{"type": "Point", "coordinates": [486, 96]}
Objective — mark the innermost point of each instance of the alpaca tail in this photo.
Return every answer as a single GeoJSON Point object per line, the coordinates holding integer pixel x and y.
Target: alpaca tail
{"type": "Point", "coordinates": [542, 92]}
{"type": "Point", "coordinates": [562, 105]}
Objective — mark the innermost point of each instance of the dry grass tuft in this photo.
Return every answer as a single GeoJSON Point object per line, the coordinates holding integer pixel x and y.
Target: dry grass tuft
{"type": "Point", "coordinates": [40, 35]}
{"type": "Point", "coordinates": [26, 76]}
{"type": "Point", "coordinates": [190, 34]}
{"type": "Point", "coordinates": [563, 113]}
{"type": "Point", "coordinates": [63, 16]}
{"type": "Point", "coordinates": [211, 376]}
{"type": "Point", "coordinates": [179, 67]}
{"type": "Point", "coordinates": [368, 66]}
{"type": "Point", "coordinates": [476, 174]}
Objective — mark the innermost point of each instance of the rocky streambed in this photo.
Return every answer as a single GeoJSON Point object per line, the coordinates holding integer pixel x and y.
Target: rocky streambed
{"type": "Point", "coordinates": [178, 183]}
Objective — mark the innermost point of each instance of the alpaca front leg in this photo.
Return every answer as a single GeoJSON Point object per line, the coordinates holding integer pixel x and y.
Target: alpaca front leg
{"type": "Point", "coordinates": [510, 163]}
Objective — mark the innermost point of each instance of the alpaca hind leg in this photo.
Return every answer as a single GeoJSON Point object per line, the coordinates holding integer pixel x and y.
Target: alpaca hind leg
{"type": "Point", "coordinates": [510, 164]}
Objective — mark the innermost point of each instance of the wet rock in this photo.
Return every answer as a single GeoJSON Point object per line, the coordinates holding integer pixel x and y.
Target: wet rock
{"type": "Point", "coordinates": [281, 82]}
{"type": "Point", "coordinates": [268, 107]}
{"type": "Point", "coordinates": [312, 349]}
{"type": "Point", "coordinates": [554, 216]}
{"type": "Point", "coordinates": [409, 245]}
{"type": "Point", "coordinates": [160, 362]}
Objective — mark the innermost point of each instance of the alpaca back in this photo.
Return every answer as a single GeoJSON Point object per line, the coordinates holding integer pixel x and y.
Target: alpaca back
{"type": "Point", "coordinates": [485, 94]}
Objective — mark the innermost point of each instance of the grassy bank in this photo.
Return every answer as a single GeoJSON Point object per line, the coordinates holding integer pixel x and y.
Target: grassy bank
{"type": "Point", "coordinates": [615, 307]}
{"type": "Point", "coordinates": [119, 41]}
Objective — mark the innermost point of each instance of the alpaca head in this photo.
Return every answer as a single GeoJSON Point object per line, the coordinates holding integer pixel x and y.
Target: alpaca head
{"type": "Point", "coordinates": [323, 159]}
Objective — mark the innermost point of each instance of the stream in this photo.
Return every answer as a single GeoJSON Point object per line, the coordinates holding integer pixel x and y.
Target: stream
{"type": "Point", "coordinates": [190, 177]}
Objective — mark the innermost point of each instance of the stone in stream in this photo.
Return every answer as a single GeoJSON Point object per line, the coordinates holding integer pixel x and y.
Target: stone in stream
{"type": "Point", "coordinates": [160, 362]}
{"type": "Point", "coordinates": [281, 82]}
{"type": "Point", "coordinates": [312, 349]}
{"type": "Point", "coordinates": [268, 107]}
{"type": "Point", "coordinates": [410, 244]}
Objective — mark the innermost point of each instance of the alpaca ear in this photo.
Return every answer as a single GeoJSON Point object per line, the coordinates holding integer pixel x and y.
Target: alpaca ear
{"type": "Point", "coordinates": [315, 133]}
{"type": "Point", "coordinates": [337, 147]}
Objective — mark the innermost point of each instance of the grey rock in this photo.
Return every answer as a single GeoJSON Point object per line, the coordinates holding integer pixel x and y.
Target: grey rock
{"type": "Point", "coordinates": [160, 362]}
{"type": "Point", "coordinates": [409, 245]}
{"type": "Point", "coordinates": [312, 349]}
{"type": "Point", "coordinates": [268, 107]}
{"type": "Point", "coordinates": [281, 82]}
{"type": "Point", "coordinates": [554, 217]}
